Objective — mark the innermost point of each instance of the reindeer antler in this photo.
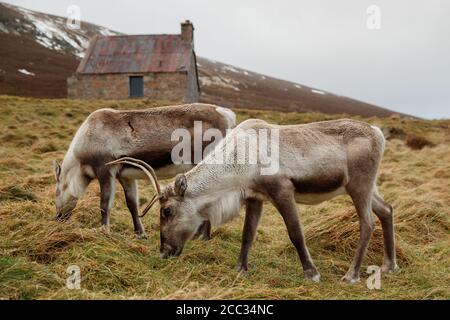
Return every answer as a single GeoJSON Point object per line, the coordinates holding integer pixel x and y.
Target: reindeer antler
{"type": "Point", "coordinates": [148, 170]}
{"type": "Point", "coordinates": [149, 206]}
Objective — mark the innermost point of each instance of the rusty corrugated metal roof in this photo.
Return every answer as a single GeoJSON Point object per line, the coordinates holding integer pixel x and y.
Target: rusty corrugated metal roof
{"type": "Point", "coordinates": [137, 54]}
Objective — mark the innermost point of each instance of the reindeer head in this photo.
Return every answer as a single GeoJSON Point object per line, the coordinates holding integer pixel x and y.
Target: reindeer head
{"type": "Point", "coordinates": [179, 220]}
{"type": "Point", "coordinates": [64, 199]}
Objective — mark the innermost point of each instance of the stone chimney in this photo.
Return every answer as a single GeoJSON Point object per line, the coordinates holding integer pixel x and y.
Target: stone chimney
{"type": "Point", "coordinates": [187, 31]}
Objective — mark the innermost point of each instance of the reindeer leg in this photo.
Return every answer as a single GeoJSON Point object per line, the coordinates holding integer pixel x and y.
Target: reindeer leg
{"type": "Point", "coordinates": [107, 191]}
{"type": "Point", "coordinates": [362, 200]}
{"type": "Point", "coordinates": [385, 213]}
{"type": "Point", "coordinates": [283, 198]}
{"type": "Point", "coordinates": [253, 211]}
{"type": "Point", "coordinates": [204, 231]}
{"type": "Point", "coordinates": [130, 189]}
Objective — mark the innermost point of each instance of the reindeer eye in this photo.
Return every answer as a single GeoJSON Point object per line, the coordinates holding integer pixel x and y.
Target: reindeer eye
{"type": "Point", "coordinates": [166, 212]}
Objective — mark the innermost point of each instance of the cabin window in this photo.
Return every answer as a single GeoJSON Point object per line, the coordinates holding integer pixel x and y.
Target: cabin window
{"type": "Point", "coordinates": [136, 86]}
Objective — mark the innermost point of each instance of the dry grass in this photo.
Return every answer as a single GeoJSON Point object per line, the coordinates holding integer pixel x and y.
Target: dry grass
{"type": "Point", "coordinates": [35, 251]}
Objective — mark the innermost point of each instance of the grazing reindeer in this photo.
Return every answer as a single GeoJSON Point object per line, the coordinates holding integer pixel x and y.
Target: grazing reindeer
{"type": "Point", "coordinates": [317, 162]}
{"type": "Point", "coordinates": [108, 134]}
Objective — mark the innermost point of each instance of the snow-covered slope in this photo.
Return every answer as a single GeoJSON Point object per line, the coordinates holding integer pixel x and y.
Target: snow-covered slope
{"type": "Point", "coordinates": [49, 31]}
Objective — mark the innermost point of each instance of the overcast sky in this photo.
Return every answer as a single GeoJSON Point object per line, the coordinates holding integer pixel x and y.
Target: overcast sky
{"type": "Point", "coordinates": [404, 66]}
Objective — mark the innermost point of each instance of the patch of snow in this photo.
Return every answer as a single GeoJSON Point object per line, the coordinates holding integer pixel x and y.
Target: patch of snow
{"type": "Point", "coordinates": [22, 9]}
{"type": "Point", "coordinates": [198, 64]}
{"type": "Point", "coordinates": [3, 28]}
{"type": "Point", "coordinates": [44, 41]}
{"type": "Point", "coordinates": [230, 81]}
{"type": "Point", "coordinates": [83, 41]}
{"type": "Point", "coordinates": [43, 28]}
{"type": "Point", "coordinates": [26, 72]}
{"type": "Point", "coordinates": [57, 47]}
{"type": "Point", "coordinates": [230, 68]}
{"type": "Point", "coordinates": [234, 70]}
{"type": "Point", "coordinates": [317, 91]}
{"type": "Point", "coordinates": [263, 77]}
{"type": "Point", "coordinates": [297, 86]}
{"type": "Point", "coordinates": [50, 33]}
{"type": "Point", "coordinates": [107, 32]}
{"type": "Point", "coordinates": [219, 81]}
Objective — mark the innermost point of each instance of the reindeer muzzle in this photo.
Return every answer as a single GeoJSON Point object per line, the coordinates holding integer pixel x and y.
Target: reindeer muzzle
{"type": "Point", "coordinates": [61, 217]}
{"type": "Point", "coordinates": [168, 251]}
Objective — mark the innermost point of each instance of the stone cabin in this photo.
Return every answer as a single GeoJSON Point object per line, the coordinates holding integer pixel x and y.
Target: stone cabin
{"type": "Point", "coordinates": [160, 67]}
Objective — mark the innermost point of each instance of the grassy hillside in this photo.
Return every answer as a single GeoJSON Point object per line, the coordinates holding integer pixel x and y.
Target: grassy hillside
{"type": "Point", "coordinates": [35, 251]}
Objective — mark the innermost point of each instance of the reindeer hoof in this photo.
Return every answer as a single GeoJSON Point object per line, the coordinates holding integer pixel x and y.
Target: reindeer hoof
{"type": "Point", "coordinates": [312, 274]}
{"type": "Point", "coordinates": [142, 235]}
{"type": "Point", "coordinates": [350, 279]}
{"type": "Point", "coordinates": [390, 268]}
{"type": "Point", "coordinates": [241, 268]}
{"type": "Point", "coordinates": [105, 229]}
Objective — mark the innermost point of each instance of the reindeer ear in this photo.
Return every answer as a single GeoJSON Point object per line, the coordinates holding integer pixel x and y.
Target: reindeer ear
{"type": "Point", "coordinates": [180, 184]}
{"type": "Point", "coordinates": [57, 169]}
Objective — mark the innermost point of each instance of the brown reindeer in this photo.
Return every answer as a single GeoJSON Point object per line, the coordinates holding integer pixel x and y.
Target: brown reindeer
{"type": "Point", "coordinates": [316, 162]}
{"type": "Point", "coordinates": [109, 134]}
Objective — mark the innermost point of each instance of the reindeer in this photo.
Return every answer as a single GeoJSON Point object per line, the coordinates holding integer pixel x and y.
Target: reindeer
{"type": "Point", "coordinates": [317, 161]}
{"type": "Point", "coordinates": [109, 134]}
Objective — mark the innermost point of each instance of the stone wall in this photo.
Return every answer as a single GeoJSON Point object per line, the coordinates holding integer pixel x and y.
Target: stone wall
{"type": "Point", "coordinates": [192, 93]}
{"type": "Point", "coordinates": [158, 86]}
{"type": "Point", "coordinates": [166, 86]}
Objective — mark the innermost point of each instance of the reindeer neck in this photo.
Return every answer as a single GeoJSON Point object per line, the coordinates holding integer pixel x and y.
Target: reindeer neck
{"type": "Point", "coordinates": [72, 175]}
{"type": "Point", "coordinates": [69, 162]}
{"type": "Point", "coordinates": [207, 178]}
{"type": "Point", "coordinates": [217, 192]}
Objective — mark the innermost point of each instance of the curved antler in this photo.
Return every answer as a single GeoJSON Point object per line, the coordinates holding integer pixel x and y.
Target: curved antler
{"type": "Point", "coordinates": [149, 206]}
{"type": "Point", "coordinates": [148, 170]}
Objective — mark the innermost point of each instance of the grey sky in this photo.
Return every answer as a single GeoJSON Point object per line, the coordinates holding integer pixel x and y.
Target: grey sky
{"type": "Point", "coordinates": [404, 66]}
